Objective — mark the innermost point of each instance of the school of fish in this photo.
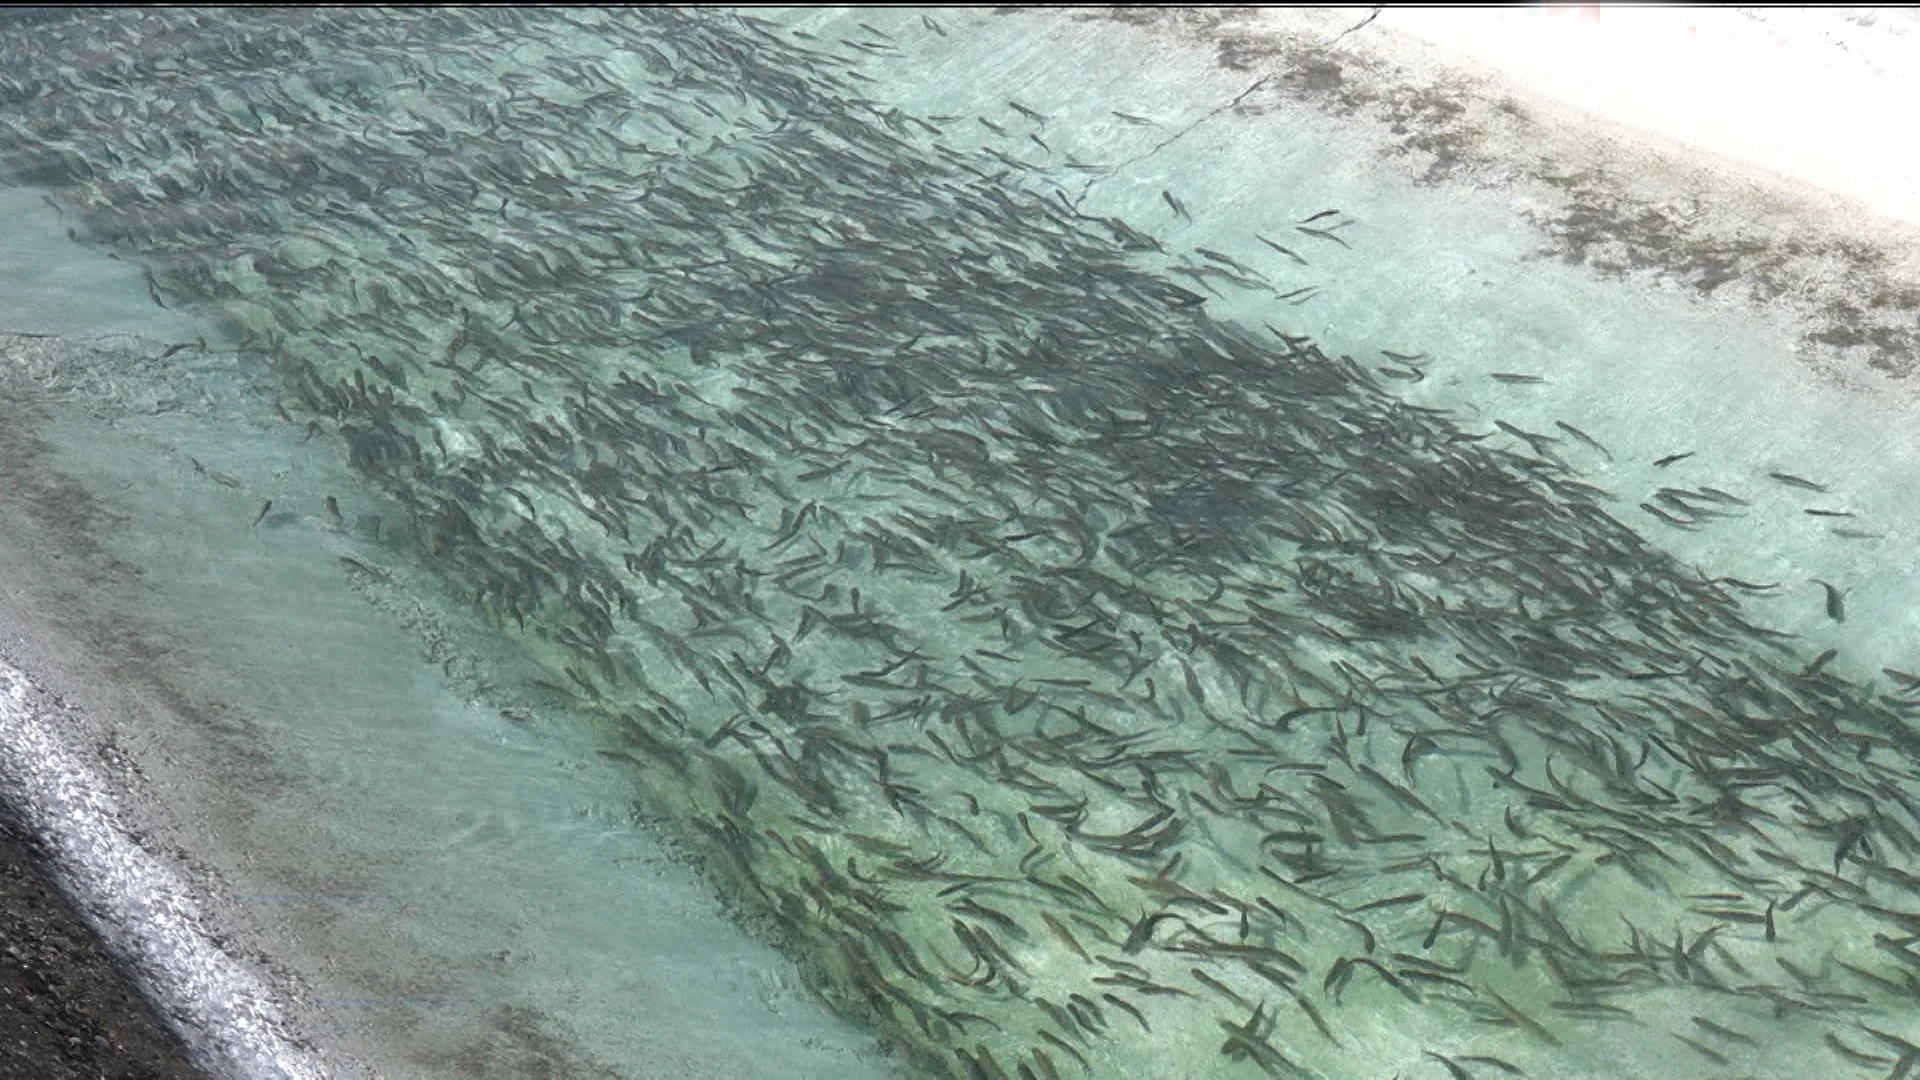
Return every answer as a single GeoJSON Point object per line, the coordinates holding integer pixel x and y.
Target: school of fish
{"type": "Point", "coordinates": [1085, 685]}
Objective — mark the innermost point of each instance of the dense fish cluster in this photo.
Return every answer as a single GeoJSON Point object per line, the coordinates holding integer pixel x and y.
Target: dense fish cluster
{"type": "Point", "coordinates": [1090, 687]}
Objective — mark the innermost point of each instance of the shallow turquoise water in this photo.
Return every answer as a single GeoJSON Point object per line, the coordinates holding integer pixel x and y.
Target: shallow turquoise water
{"type": "Point", "coordinates": [929, 485]}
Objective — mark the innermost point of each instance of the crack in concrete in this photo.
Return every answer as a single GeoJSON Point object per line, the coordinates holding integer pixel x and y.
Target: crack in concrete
{"type": "Point", "coordinates": [1377, 9]}
{"type": "Point", "coordinates": [1169, 140]}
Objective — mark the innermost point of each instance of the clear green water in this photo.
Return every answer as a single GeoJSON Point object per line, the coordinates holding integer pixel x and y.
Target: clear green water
{"type": "Point", "coordinates": [918, 466]}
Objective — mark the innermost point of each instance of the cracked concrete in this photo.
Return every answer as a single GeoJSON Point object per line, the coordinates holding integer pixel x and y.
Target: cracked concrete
{"type": "Point", "coordinates": [1122, 168]}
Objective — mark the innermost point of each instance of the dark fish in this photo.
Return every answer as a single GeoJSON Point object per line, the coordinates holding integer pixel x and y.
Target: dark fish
{"type": "Point", "coordinates": [1504, 1066]}
{"type": "Point", "coordinates": [1864, 1060]}
{"type": "Point", "coordinates": [1142, 932]}
{"type": "Point", "coordinates": [264, 507]}
{"type": "Point", "coordinates": [1583, 437]}
{"type": "Point", "coordinates": [1061, 1045]}
{"type": "Point", "coordinates": [214, 475]}
{"type": "Point", "coordinates": [1836, 602]}
{"type": "Point", "coordinates": [1175, 203]}
{"type": "Point", "coordinates": [1800, 482]}
{"type": "Point", "coordinates": [1402, 357]}
{"type": "Point", "coordinates": [1671, 458]}
{"type": "Point", "coordinates": [1391, 901]}
{"type": "Point", "coordinates": [1127, 1007]}
{"type": "Point", "coordinates": [1676, 522]}
{"type": "Point", "coordinates": [1132, 119]}
{"type": "Point", "coordinates": [1523, 1020]}
{"type": "Point", "coordinates": [1511, 377]}
{"type": "Point", "coordinates": [1223, 260]}
{"type": "Point", "coordinates": [1219, 987]}
{"type": "Point", "coordinates": [1322, 234]}
{"type": "Point", "coordinates": [1726, 1033]}
{"type": "Point", "coordinates": [1064, 937]}
{"type": "Point", "coordinates": [1748, 586]}
{"type": "Point", "coordinates": [1288, 252]}
{"type": "Point", "coordinates": [1454, 1069]}
{"type": "Point", "coordinates": [927, 21]}
{"type": "Point", "coordinates": [1707, 1052]}
{"type": "Point", "coordinates": [1318, 216]}
{"type": "Point", "coordinates": [1028, 113]}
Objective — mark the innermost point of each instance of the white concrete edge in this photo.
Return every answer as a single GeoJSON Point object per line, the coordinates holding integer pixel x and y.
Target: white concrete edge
{"type": "Point", "coordinates": [1828, 96]}
{"type": "Point", "coordinates": [146, 913]}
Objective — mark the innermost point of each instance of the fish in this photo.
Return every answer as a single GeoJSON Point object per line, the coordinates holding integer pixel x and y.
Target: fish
{"type": "Point", "coordinates": [1703, 1050]}
{"type": "Point", "coordinates": [1142, 931]}
{"type": "Point", "coordinates": [1723, 1032]}
{"type": "Point", "coordinates": [1836, 602]}
{"type": "Point", "coordinates": [1028, 113]}
{"type": "Point", "coordinates": [1221, 259]}
{"type": "Point", "coordinates": [1288, 252]}
{"type": "Point", "coordinates": [215, 475]}
{"type": "Point", "coordinates": [1493, 1062]}
{"type": "Point", "coordinates": [153, 289]}
{"type": "Point", "coordinates": [1321, 234]}
{"type": "Point", "coordinates": [1662, 463]}
{"type": "Point", "coordinates": [1747, 586]}
{"type": "Point", "coordinates": [1583, 437]}
{"type": "Point", "coordinates": [1128, 1008]}
{"type": "Point", "coordinates": [1797, 482]}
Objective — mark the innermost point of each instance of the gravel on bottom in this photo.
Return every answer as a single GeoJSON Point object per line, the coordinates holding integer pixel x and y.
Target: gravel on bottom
{"type": "Point", "coordinates": [67, 1012]}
